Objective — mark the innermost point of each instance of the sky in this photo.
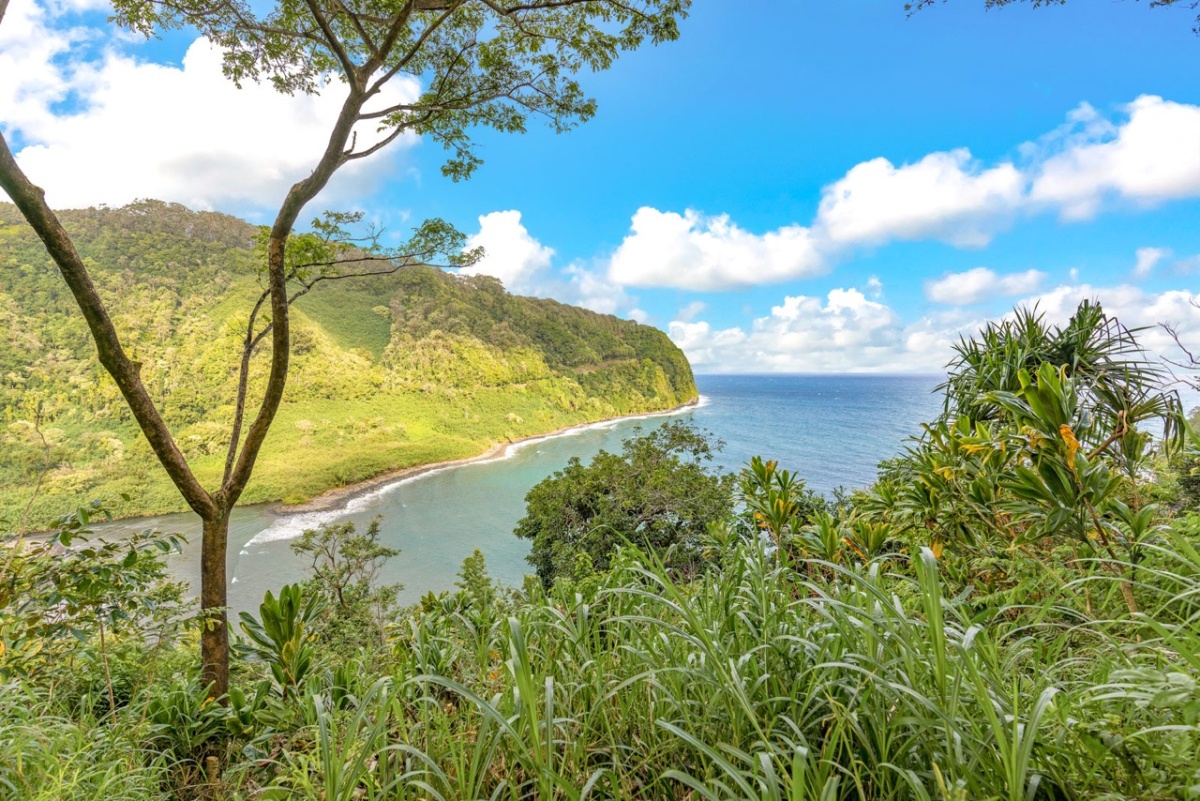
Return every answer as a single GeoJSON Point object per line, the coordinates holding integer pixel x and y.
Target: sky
{"type": "Point", "coordinates": [792, 186]}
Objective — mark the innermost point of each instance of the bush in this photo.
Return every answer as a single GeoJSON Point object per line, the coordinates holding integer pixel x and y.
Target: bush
{"type": "Point", "coordinates": [657, 494]}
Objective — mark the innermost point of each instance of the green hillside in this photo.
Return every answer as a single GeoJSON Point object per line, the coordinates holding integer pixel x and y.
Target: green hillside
{"type": "Point", "coordinates": [388, 371]}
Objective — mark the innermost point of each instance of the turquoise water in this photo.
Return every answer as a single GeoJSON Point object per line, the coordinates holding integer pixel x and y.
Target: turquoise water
{"type": "Point", "coordinates": [832, 430]}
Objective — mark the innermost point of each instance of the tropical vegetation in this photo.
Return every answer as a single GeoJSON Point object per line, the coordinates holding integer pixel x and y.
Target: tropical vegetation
{"type": "Point", "coordinates": [656, 494]}
{"type": "Point", "coordinates": [387, 371]}
{"type": "Point", "coordinates": [1012, 611]}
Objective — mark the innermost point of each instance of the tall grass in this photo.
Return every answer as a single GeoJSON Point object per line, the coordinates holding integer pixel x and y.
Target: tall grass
{"type": "Point", "coordinates": [48, 756]}
{"type": "Point", "coordinates": [756, 680]}
{"type": "Point", "coordinates": [765, 682]}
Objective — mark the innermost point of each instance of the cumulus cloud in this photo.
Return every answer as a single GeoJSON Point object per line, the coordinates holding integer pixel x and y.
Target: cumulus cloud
{"type": "Point", "coordinates": [1147, 260]}
{"type": "Point", "coordinates": [113, 128]}
{"type": "Point", "coordinates": [843, 331]}
{"type": "Point", "coordinates": [979, 284]}
{"type": "Point", "coordinates": [1148, 154]}
{"type": "Point", "coordinates": [1152, 157]}
{"type": "Point", "coordinates": [708, 253]}
{"type": "Point", "coordinates": [945, 196]}
{"type": "Point", "coordinates": [526, 267]}
{"type": "Point", "coordinates": [706, 347]}
{"type": "Point", "coordinates": [847, 332]}
{"type": "Point", "coordinates": [29, 81]}
{"type": "Point", "coordinates": [591, 289]}
{"type": "Point", "coordinates": [1135, 308]}
{"type": "Point", "coordinates": [510, 252]}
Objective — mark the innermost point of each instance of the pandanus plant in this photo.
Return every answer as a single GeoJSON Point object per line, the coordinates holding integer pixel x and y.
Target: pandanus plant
{"type": "Point", "coordinates": [1069, 479]}
{"type": "Point", "coordinates": [1039, 439]}
{"type": "Point", "coordinates": [776, 501]}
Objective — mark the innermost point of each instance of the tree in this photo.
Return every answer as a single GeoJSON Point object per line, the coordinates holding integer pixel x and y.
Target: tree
{"type": "Point", "coordinates": [657, 493]}
{"type": "Point", "coordinates": [1118, 382]}
{"type": "Point", "coordinates": [55, 593]}
{"type": "Point", "coordinates": [345, 567]}
{"type": "Point", "coordinates": [917, 5]}
{"type": "Point", "coordinates": [489, 63]}
{"type": "Point", "coordinates": [1039, 441]}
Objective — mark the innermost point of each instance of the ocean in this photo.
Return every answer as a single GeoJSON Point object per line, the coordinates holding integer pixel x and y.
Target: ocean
{"type": "Point", "coordinates": [832, 430]}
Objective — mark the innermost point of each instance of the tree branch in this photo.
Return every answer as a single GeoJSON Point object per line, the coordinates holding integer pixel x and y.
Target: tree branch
{"type": "Point", "coordinates": [309, 286]}
{"type": "Point", "coordinates": [349, 68]}
{"type": "Point", "coordinates": [382, 143]}
{"type": "Point", "coordinates": [239, 409]}
{"type": "Point", "coordinates": [1121, 430]}
{"type": "Point", "coordinates": [359, 27]}
{"type": "Point", "coordinates": [277, 277]}
{"type": "Point", "coordinates": [447, 7]}
{"type": "Point", "coordinates": [1192, 361]}
{"type": "Point", "coordinates": [197, 15]}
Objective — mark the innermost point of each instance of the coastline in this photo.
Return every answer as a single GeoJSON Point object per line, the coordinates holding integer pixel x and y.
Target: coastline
{"type": "Point", "coordinates": [337, 498]}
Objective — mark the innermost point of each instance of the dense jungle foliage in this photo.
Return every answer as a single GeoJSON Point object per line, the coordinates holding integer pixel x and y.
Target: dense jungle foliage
{"type": "Point", "coordinates": [1011, 612]}
{"type": "Point", "coordinates": [388, 371]}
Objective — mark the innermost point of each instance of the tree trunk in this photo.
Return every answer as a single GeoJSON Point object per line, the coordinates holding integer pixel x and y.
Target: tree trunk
{"type": "Point", "coordinates": [212, 508]}
{"type": "Point", "coordinates": [214, 603]}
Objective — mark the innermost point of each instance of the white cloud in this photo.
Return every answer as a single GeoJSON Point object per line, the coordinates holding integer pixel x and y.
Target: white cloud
{"type": "Point", "coordinates": [1134, 307]}
{"type": "Point", "coordinates": [136, 129]}
{"type": "Point", "coordinates": [29, 82]}
{"type": "Point", "coordinates": [706, 348]}
{"type": "Point", "coordinates": [591, 290]}
{"type": "Point", "coordinates": [945, 196]}
{"type": "Point", "coordinates": [689, 312]}
{"type": "Point", "coordinates": [696, 252]}
{"type": "Point", "coordinates": [847, 332]}
{"type": "Point", "coordinates": [844, 331]}
{"type": "Point", "coordinates": [510, 252]}
{"type": "Point", "coordinates": [1147, 260]}
{"type": "Point", "coordinates": [1152, 157]}
{"type": "Point", "coordinates": [979, 284]}
{"type": "Point", "coordinates": [874, 287]}
{"type": "Point", "coordinates": [526, 267]}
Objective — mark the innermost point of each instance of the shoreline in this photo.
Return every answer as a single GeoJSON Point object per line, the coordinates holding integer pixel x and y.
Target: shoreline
{"type": "Point", "coordinates": [336, 498]}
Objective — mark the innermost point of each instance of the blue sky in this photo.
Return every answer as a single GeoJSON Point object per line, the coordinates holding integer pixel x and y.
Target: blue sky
{"type": "Point", "coordinates": [794, 186]}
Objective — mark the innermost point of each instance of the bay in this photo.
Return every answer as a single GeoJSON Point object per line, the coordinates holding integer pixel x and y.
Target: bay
{"type": "Point", "coordinates": [830, 429]}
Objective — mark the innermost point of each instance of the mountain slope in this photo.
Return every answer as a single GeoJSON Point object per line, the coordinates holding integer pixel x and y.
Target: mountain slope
{"type": "Point", "coordinates": [387, 371]}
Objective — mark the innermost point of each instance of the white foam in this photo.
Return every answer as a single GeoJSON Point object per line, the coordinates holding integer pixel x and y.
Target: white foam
{"type": "Point", "coordinates": [291, 526]}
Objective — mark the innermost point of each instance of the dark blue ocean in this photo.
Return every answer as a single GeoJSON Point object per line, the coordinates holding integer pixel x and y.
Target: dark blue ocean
{"type": "Point", "coordinates": [831, 430]}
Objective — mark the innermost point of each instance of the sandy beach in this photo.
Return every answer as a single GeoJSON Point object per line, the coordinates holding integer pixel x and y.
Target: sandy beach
{"type": "Point", "coordinates": [338, 497]}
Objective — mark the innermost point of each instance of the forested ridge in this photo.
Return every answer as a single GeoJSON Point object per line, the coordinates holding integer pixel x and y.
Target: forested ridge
{"type": "Point", "coordinates": [388, 371]}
